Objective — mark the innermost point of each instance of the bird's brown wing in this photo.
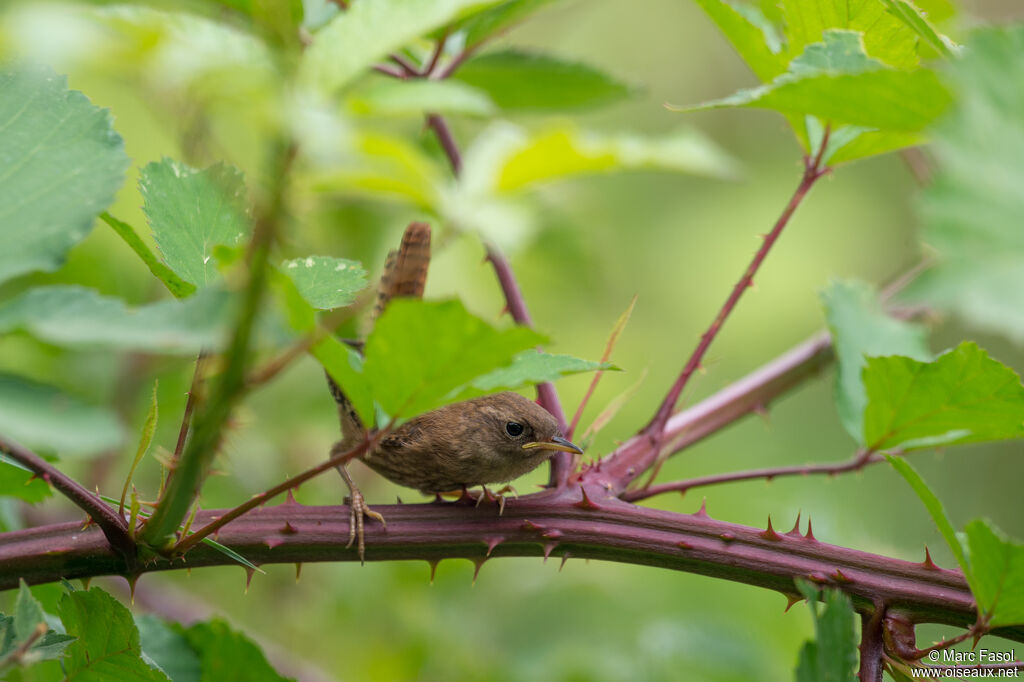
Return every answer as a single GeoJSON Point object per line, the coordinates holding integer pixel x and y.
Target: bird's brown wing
{"type": "Point", "coordinates": [404, 276]}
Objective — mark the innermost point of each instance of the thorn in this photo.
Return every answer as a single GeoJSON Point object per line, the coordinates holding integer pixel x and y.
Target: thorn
{"type": "Point", "coordinates": [841, 577]}
{"type": "Point", "coordinates": [703, 511]}
{"type": "Point", "coordinates": [810, 531]}
{"type": "Point", "coordinates": [530, 525]}
{"type": "Point", "coordinates": [683, 544]}
{"type": "Point", "coordinates": [565, 557]}
{"type": "Point", "coordinates": [796, 528]}
{"type": "Point", "coordinates": [249, 573]}
{"type": "Point", "coordinates": [298, 570]}
{"type": "Point", "coordinates": [273, 542]}
{"type": "Point", "coordinates": [817, 578]}
{"type": "Point", "coordinates": [492, 543]}
{"type": "Point", "coordinates": [132, 582]}
{"type": "Point", "coordinates": [727, 537]}
{"type": "Point", "coordinates": [290, 497]}
{"type": "Point", "coordinates": [433, 568]}
{"type": "Point", "coordinates": [928, 563]}
{"type": "Point", "coordinates": [477, 563]}
{"type": "Point", "coordinates": [466, 498]}
{"type": "Point", "coordinates": [790, 601]}
{"type": "Point", "coordinates": [769, 532]}
{"type": "Point", "coordinates": [398, 500]}
{"type": "Point", "coordinates": [585, 502]}
{"type": "Point", "coordinates": [548, 548]}
{"type": "Point", "coordinates": [552, 534]}
{"type": "Point", "coordinates": [504, 311]}
{"type": "Point", "coordinates": [86, 582]}
{"type": "Point", "coordinates": [287, 529]}
{"type": "Point", "coordinates": [761, 411]}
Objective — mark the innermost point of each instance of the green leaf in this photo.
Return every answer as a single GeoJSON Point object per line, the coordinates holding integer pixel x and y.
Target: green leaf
{"type": "Point", "coordinates": [518, 80]}
{"type": "Point", "coordinates": [61, 165]}
{"type": "Point", "coordinates": [972, 210]}
{"type": "Point", "coordinates": [861, 328]}
{"type": "Point", "coordinates": [886, 38]}
{"type": "Point", "coordinates": [145, 438]}
{"type": "Point", "coordinates": [532, 367]}
{"type": "Point", "coordinates": [77, 317]}
{"type": "Point", "coordinates": [345, 366]}
{"type": "Point", "coordinates": [168, 648]}
{"type": "Point", "coordinates": [227, 655]}
{"type": "Point", "coordinates": [28, 613]}
{"type": "Point", "coordinates": [832, 656]}
{"type": "Point", "coordinates": [107, 647]}
{"type": "Point", "coordinates": [837, 82]}
{"type": "Point", "coordinates": [417, 97]}
{"type": "Point", "coordinates": [15, 481]}
{"type": "Point", "coordinates": [367, 31]}
{"type": "Point", "coordinates": [326, 282]}
{"type": "Point", "coordinates": [193, 211]}
{"type": "Point", "coordinates": [177, 286]}
{"type": "Point", "coordinates": [964, 396]}
{"type": "Point", "coordinates": [750, 34]}
{"type": "Point", "coordinates": [507, 159]}
{"type": "Point", "coordinates": [419, 351]}
{"type": "Point", "coordinates": [934, 507]}
{"type": "Point", "coordinates": [996, 572]}
{"type": "Point", "coordinates": [911, 16]}
{"type": "Point", "coordinates": [44, 418]}
{"type": "Point", "coordinates": [491, 22]}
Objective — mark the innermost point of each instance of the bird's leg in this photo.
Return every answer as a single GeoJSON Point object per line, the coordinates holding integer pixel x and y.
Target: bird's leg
{"type": "Point", "coordinates": [505, 490]}
{"type": "Point", "coordinates": [358, 510]}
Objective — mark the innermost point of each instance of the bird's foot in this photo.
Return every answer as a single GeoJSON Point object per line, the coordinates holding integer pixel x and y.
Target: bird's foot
{"type": "Point", "coordinates": [358, 511]}
{"type": "Point", "coordinates": [498, 497]}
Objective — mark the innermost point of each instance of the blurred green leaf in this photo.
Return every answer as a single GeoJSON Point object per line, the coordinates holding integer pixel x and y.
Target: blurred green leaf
{"type": "Point", "coordinates": [62, 164]}
{"type": "Point", "coordinates": [326, 282]}
{"type": "Point", "coordinates": [168, 648]}
{"type": "Point", "coordinates": [77, 317]}
{"type": "Point", "coordinates": [417, 97]}
{"type": "Point", "coordinates": [494, 21]}
{"type": "Point", "coordinates": [885, 37]}
{"type": "Point", "coordinates": [28, 613]}
{"type": "Point", "coordinates": [911, 16]}
{"type": "Point", "coordinates": [15, 481]}
{"type": "Point", "coordinates": [837, 82]}
{"type": "Point", "coordinates": [177, 286]}
{"type": "Point", "coordinates": [517, 80]}
{"type": "Point", "coordinates": [345, 366]}
{"type": "Point", "coordinates": [419, 351]}
{"type": "Point", "coordinates": [528, 368]}
{"type": "Point", "coordinates": [367, 31]}
{"type": "Point", "coordinates": [861, 328]}
{"type": "Point", "coordinates": [832, 656]}
{"type": "Point", "coordinates": [16, 631]}
{"type": "Point", "coordinates": [997, 573]}
{"type": "Point", "coordinates": [145, 438]}
{"type": "Point", "coordinates": [44, 418]}
{"type": "Point", "coordinates": [972, 210]}
{"type": "Point", "coordinates": [193, 211]}
{"type": "Point", "coordinates": [964, 396]}
{"type": "Point", "coordinates": [107, 647]}
{"type": "Point", "coordinates": [227, 655]}
{"type": "Point", "coordinates": [934, 507]}
{"type": "Point", "coordinates": [748, 36]}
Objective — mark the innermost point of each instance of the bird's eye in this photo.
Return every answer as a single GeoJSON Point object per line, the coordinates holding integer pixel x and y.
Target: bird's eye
{"type": "Point", "coordinates": [514, 429]}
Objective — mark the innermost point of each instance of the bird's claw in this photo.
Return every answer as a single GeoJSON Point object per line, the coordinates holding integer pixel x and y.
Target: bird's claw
{"type": "Point", "coordinates": [358, 511]}
{"type": "Point", "coordinates": [499, 496]}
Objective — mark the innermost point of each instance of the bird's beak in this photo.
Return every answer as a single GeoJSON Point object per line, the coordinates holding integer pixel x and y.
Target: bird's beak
{"type": "Point", "coordinates": [556, 443]}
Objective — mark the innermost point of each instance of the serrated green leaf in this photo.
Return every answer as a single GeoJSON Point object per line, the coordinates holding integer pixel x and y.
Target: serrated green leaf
{"type": "Point", "coordinates": [83, 318]}
{"type": "Point", "coordinates": [326, 282]}
{"type": "Point", "coordinates": [997, 573]}
{"type": "Point", "coordinates": [15, 481]}
{"type": "Point", "coordinates": [972, 210]}
{"type": "Point", "coordinates": [837, 82]}
{"type": "Point", "coordinates": [28, 613]}
{"type": "Point", "coordinates": [352, 41]}
{"type": "Point", "coordinates": [748, 38]}
{"type": "Point", "coordinates": [45, 418]}
{"type": "Point", "coordinates": [61, 165]}
{"type": "Point", "coordinates": [528, 368]}
{"type": "Point", "coordinates": [176, 285]}
{"type": "Point", "coordinates": [345, 366]}
{"type": "Point", "coordinates": [964, 396]}
{"type": "Point", "coordinates": [417, 97]}
{"type": "Point", "coordinates": [168, 648]}
{"type": "Point", "coordinates": [911, 16]}
{"type": "Point", "coordinates": [832, 656]}
{"type": "Point", "coordinates": [108, 642]}
{"type": "Point", "coordinates": [934, 507]}
{"type": "Point", "coordinates": [227, 655]}
{"type": "Point", "coordinates": [419, 351]}
{"type": "Point", "coordinates": [517, 80]}
{"type": "Point", "coordinates": [886, 38]}
{"type": "Point", "coordinates": [7, 643]}
{"type": "Point", "coordinates": [861, 328]}
{"type": "Point", "coordinates": [191, 212]}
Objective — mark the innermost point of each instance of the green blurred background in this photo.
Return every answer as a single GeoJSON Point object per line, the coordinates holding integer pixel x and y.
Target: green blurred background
{"type": "Point", "coordinates": [677, 242]}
